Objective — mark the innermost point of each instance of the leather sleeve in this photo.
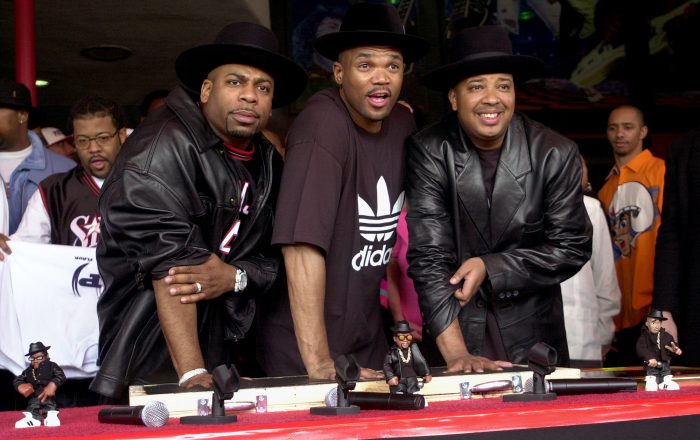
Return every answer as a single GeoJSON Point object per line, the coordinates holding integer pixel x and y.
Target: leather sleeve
{"type": "Point", "coordinates": [431, 250]}
{"type": "Point", "coordinates": [150, 219]}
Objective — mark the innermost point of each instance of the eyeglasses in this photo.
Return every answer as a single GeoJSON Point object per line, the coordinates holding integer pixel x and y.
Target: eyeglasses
{"type": "Point", "coordinates": [37, 358]}
{"type": "Point", "coordinates": [102, 139]}
{"type": "Point", "coordinates": [405, 337]}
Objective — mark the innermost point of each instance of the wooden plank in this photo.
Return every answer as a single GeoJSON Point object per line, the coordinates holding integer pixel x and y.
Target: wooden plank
{"type": "Point", "coordinates": [298, 393]}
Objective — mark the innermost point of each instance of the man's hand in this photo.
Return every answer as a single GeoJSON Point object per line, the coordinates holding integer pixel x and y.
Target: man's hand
{"type": "Point", "coordinates": [393, 381]}
{"type": "Point", "coordinates": [25, 389]}
{"type": "Point", "coordinates": [670, 325]}
{"type": "Point", "coordinates": [49, 391]}
{"type": "Point", "coordinates": [204, 380]}
{"type": "Point", "coordinates": [427, 379]}
{"type": "Point", "coordinates": [653, 363]}
{"type": "Point", "coordinates": [675, 349]}
{"type": "Point", "coordinates": [469, 363]}
{"type": "Point", "coordinates": [454, 351]}
{"type": "Point", "coordinates": [214, 276]}
{"type": "Point", "coordinates": [4, 246]}
{"type": "Point", "coordinates": [368, 373]}
{"type": "Point", "coordinates": [324, 370]}
{"type": "Point", "coordinates": [473, 273]}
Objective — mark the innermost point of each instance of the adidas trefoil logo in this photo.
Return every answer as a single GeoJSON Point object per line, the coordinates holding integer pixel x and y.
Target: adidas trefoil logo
{"type": "Point", "coordinates": [377, 226]}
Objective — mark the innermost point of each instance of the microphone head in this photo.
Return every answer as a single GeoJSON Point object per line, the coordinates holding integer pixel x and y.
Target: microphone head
{"type": "Point", "coordinates": [155, 414]}
{"type": "Point", "coordinates": [331, 399]}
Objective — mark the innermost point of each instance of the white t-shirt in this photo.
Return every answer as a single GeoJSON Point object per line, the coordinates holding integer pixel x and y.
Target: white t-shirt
{"type": "Point", "coordinates": [9, 160]}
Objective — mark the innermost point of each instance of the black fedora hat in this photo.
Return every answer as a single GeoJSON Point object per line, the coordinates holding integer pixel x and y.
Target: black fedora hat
{"type": "Point", "coordinates": [37, 347]}
{"type": "Point", "coordinates": [401, 327]}
{"type": "Point", "coordinates": [243, 43]}
{"type": "Point", "coordinates": [483, 49]}
{"type": "Point", "coordinates": [656, 314]}
{"type": "Point", "coordinates": [14, 95]}
{"type": "Point", "coordinates": [367, 24]}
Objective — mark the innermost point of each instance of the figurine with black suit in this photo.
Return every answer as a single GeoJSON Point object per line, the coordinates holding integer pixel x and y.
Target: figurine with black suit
{"type": "Point", "coordinates": [404, 362]}
{"type": "Point", "coordinates": [38, 384]}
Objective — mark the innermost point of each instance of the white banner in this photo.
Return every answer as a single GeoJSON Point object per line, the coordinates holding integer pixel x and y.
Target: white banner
{"type": "Point", "coordinates": [49, 293]}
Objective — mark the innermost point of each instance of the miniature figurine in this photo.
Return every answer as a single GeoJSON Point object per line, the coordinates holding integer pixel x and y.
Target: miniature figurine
{"type": "Point", "coordinates": [404, 362]}
{"type": "Point", "coordinates": [38, 383]}
{"type": "Point", "coordinates": [655, 348]}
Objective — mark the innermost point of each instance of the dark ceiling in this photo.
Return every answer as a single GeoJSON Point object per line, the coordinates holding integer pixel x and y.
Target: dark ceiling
{"type": "Point", "coordinates": [156, 31]}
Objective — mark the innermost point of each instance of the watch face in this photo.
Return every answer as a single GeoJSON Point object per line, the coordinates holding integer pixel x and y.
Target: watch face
{"type": "Point", "coordinates": [244, 280]}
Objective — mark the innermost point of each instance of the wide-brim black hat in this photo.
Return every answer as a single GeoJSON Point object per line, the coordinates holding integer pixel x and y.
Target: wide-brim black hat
{"type": "Point", "coordinates": [656, 314]}
{"type": "Point", "coordinates": [14, 95]}
{"type": "Point", "coordinates": [243, 43]}
{"type": "Point", "coordinates": [37, 347]}
{"type": "Point", "coordinates": [368, 24]}
{"type": "Point", "coordinates": [401, 327]}
{"type": "Point", "coordinates": [478, 50]}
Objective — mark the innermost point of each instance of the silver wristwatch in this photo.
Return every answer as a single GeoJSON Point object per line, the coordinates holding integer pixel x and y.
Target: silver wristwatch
{"type": "Point", "coordinates": [241, 280]}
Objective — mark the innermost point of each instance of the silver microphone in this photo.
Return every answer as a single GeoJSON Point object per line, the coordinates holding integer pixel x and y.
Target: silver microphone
{"type": "Point", "coordinates": [152, 414]}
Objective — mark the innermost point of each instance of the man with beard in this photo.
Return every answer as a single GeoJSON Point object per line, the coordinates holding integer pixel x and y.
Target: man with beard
{"type": "Point", "coordinates": [187, 214]}
{"type": "Point", "coordinates": [64, 210]}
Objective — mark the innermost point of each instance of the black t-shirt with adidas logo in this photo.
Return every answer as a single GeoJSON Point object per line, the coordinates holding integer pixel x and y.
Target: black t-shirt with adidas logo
{"type": "Point", "coordinates": [342, 190]}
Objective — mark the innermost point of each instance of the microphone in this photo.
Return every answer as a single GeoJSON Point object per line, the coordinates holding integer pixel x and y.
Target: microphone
{"type": "Point", "coordinates": [151, 414]}
{"type": "Point", "coordinates": [586, 386]}
{"type": "Point", "coordinates": [381, 401]}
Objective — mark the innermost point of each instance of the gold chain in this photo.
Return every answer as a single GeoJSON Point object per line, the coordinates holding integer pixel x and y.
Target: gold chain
{"type": "Point", "coordinates": [405, 360]}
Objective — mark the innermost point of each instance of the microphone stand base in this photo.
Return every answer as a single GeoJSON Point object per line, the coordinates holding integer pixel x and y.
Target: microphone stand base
{"type": "Point", "coordinates": [208, 420]}
{"type": "Point", "coordinates": [334, 410]}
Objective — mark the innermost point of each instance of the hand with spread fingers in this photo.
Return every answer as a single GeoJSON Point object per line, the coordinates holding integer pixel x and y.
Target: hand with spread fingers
{"type": "Point", "coordinates": [201, 282]}
{"type": "Point", "coordinates": [469, 363]}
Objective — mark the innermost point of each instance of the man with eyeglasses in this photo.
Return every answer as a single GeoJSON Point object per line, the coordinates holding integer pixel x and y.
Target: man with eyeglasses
{"type": "Point", "coordinates": [404, 362]}
{"type": "Point", "coordinates": [38, 383]}
{"type": "Point", "coordinates": [64, 210]}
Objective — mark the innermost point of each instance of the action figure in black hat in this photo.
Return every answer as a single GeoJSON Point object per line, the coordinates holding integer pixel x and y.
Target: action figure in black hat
{"type": "Point", "coordinates": [404, 362]}
{"type": "Point", "coordinates": [655, 347]}
{"type": "Point", "coordinates": [38, 383]}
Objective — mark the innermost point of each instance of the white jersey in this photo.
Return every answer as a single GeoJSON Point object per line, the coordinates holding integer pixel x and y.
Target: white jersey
{"type": "Point", "coordinates": [49, 293]}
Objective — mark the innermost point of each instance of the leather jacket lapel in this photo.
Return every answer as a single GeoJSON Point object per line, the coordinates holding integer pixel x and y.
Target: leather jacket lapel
{"type": "Point", "coordinates": [470, 185]}
{"type": "Point", "coordinates": [508, 193]}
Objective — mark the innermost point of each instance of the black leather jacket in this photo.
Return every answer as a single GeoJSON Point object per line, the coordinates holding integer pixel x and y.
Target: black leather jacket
{"type": "Point", "coordinates": [535, 234]}
{"type": "Point", "coordinates": [169, 200]}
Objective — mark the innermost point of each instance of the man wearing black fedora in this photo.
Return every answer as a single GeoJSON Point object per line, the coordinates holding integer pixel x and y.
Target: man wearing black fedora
{"type": "Point", "coordinates": [340, 200]}
{"type": "Point", "coordinates": [38, 383]}
{"type": "Point", "coordinates": [495, 214]}
{"type": "Point", "coordinates": [187, 214]}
